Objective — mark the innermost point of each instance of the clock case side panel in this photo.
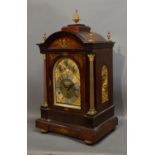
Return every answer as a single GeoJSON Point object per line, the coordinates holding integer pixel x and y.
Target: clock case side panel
{"type": "Point", "coordinates": [104, 56]}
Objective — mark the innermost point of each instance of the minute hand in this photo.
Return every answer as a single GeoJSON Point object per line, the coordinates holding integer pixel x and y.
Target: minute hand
{"type": "Point", "coordinates": [70, 86]}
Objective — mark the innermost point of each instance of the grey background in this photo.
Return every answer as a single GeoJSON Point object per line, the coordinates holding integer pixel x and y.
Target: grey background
{"type": "Point", "coordinates": [102, 16]}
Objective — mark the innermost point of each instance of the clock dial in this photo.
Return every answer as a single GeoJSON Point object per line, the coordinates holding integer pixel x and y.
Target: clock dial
{"type": "Point", "coordinates": [67, 84]}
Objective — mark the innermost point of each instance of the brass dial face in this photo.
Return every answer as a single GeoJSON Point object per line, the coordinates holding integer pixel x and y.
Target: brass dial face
{"type": "Point", "coordinates": [67, 84]}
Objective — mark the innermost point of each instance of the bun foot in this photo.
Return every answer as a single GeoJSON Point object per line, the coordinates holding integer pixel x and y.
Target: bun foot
{"type": "Point", "coordinates": [88, 142]}
{"type": "Point", "coordinates": [43, 131]}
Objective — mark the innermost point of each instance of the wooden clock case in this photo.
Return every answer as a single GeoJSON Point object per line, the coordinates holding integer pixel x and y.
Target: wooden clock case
{"type": "Point", "coordinates": [77, 42]}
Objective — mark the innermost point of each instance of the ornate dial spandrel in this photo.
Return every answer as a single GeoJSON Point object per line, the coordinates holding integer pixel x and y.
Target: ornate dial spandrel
{"type": "Point", "coordinates": [67, 84]}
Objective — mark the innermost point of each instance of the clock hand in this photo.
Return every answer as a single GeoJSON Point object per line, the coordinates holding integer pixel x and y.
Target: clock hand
{"type": "Point", "coordinates": [64, 85]}
{"type": "Point", "coordinates": [70, 87]}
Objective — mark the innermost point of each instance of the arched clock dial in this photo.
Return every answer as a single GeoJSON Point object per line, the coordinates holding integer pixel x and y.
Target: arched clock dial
{"type": "Point", "coordinates": [67, 84]}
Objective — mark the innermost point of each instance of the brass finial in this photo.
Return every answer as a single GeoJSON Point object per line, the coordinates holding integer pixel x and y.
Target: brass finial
{"type": "Point", "coordinates": [109, 36]}
{"type": "Point", "coordinates": [44, 37]}
{"type": "Point", "coordinates": [76, 17]}
{"type": "Point", "coordinates": [90, 37]}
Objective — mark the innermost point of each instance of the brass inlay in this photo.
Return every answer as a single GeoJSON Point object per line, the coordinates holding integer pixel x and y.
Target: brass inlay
{"type": "Point", "coordinates": [65, 42]}
{"type": "Point", "coordinates": [63, 131]}
{"type": "Point", "coordinates": [104, 75]}
{"type": "Point", "coordinates": [76, 17]}
{"type": "Point", "coordinates": [92, 110]}
{"type": "Point", "coordinates": [67, 84]}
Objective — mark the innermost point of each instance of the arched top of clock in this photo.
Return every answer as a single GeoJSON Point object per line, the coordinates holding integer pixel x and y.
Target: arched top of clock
{"type": "Point", "coordinates": [63, 39]}
{"type": "Point", "coordinates": [76, 36]}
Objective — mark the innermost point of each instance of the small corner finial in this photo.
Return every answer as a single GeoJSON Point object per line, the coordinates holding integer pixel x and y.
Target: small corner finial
{"type": "Point", "coordinates": [90, 37]}
{"type": "Point", "coordinates": [76, 17]}
{"type": "Point", "coordinates": [109, 36]}
{"type": "Point", "coordinates": [44, 37]}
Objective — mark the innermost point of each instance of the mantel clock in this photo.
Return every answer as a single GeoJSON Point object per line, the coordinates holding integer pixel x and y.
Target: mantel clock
{"type": "Point", "coordinates": [78, 83]}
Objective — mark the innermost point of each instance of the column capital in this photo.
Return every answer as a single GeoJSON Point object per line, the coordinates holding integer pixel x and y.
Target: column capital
{"type": "Point", "coordinates": [91, 57]}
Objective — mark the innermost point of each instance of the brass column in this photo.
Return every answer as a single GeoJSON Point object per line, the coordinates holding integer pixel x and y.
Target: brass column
{"type": "Point", "coordinates": [44, 76]}
{"type": "Point", "coordinates": [92, 110]}
{"type": "Point", "coordinates": [44, 81]}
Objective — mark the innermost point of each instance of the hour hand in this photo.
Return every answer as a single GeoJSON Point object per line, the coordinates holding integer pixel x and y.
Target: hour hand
{"type": "Point", "coordinates": [64, 85]}
{"type": "Point", "coordinates": [70, 86]}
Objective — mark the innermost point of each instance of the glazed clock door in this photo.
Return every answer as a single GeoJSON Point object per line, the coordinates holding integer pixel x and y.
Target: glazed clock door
{"type": "Point", "coordinates": [66, 84]}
